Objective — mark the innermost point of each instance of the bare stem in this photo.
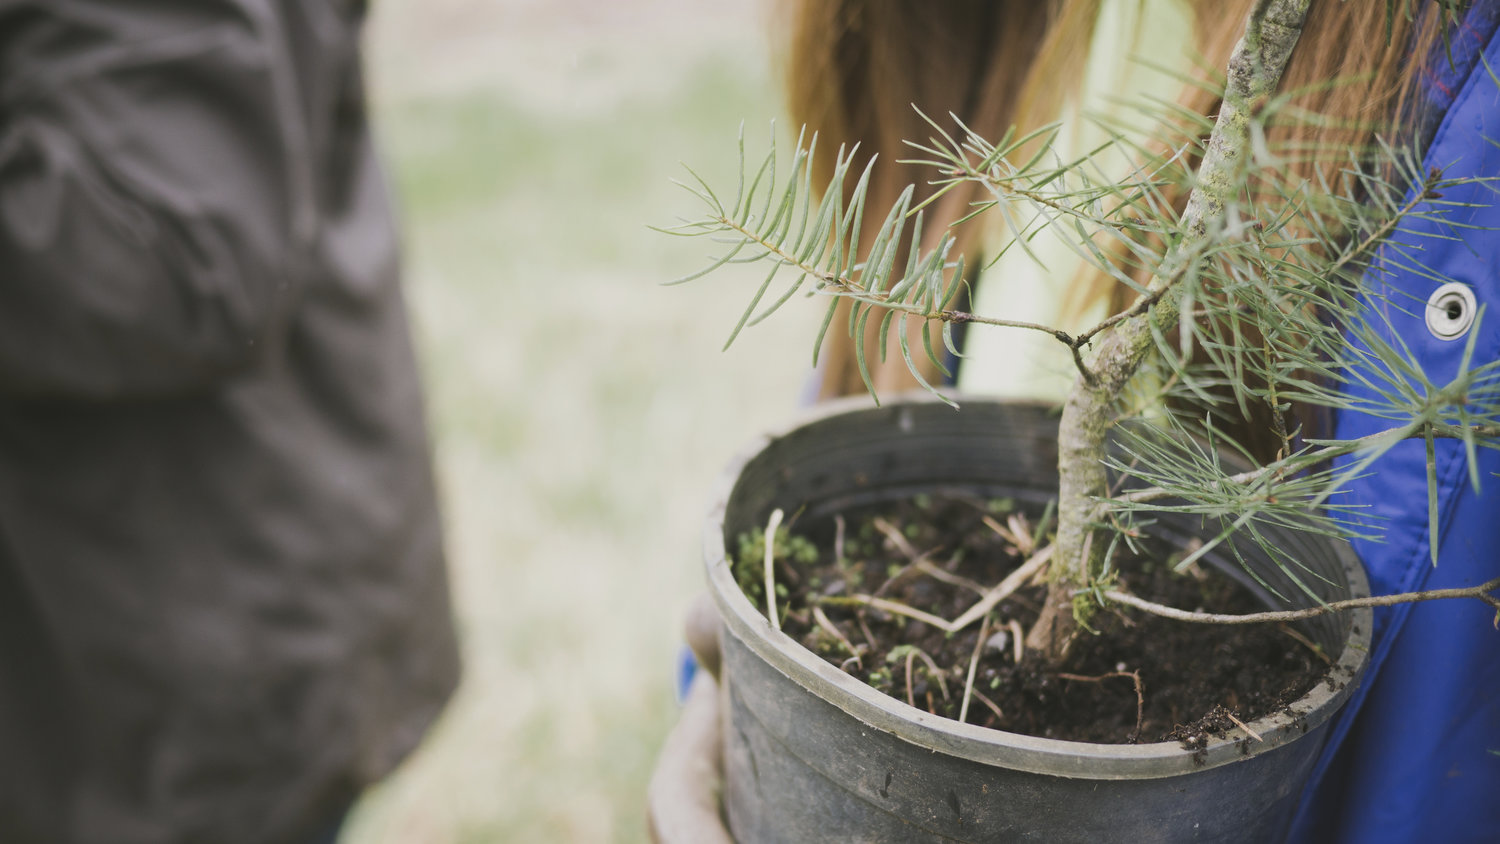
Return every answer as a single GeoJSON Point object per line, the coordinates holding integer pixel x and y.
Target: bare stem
{"type": "Point", "coordinates": [1482, 592]}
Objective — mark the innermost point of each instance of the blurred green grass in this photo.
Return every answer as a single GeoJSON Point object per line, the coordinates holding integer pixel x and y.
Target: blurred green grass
{"type": "Point", "coordinates": [581, 411]}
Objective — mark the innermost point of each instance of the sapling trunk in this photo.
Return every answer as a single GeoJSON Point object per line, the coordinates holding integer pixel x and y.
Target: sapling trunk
{"type": "Point", "coordinates": [1255, 68]}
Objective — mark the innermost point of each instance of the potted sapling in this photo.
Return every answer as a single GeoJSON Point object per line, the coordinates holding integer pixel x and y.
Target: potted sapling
{"type": "Point", "coordinates": [1124, 618]}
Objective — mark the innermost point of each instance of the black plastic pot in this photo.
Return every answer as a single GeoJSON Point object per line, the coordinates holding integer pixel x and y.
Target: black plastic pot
{"type": "Point", "coordinates": [812, 754]}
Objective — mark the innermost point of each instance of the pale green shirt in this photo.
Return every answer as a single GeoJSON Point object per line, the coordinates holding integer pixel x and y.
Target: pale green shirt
{"type": "Point", "coordinates": [1133, 41]}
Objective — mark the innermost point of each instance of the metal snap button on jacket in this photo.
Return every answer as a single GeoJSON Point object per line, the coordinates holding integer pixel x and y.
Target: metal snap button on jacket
{"type": "Point", "coordinates": [1450, 311]}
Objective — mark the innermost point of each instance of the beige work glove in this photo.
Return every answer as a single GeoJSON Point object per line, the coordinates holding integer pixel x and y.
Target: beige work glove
{"type": "Point", "coordinates": [683, 805]}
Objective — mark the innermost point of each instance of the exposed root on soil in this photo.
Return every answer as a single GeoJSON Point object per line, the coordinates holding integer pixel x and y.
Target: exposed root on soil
{"type": "Point", "coordinates": [1054, 630]}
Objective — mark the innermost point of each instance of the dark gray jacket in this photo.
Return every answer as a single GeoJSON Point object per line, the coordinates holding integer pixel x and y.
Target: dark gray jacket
{"type": "Point", "coordinates": [223, 607]}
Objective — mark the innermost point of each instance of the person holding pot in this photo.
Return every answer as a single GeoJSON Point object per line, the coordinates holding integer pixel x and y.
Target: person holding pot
{"type": "Point", "coordinates": [1412, 756]}
{"type": "Point", "coordinates": [223, 602]}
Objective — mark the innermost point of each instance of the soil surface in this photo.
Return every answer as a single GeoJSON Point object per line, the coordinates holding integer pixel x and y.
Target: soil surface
{"type": "Point", "coordinates": [1141, 679]}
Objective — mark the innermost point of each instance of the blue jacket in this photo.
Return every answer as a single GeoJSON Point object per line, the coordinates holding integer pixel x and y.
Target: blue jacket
{"type": "Point", "coordinates": [1413, 757]}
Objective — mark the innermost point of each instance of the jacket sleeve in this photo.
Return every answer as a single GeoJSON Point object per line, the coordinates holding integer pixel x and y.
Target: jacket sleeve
{"type": "Point", "coordinates": [154, 199]}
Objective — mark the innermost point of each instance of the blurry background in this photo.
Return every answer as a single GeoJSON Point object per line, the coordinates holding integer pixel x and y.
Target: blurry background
{"type": "Point", "coordinates": [582, 412]}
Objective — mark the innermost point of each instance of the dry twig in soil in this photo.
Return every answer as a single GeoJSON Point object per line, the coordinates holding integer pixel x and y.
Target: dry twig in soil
{"type": "Point", "coordinates": [1482, 592]}
{"type": "Point", "coordinates": [984, 631]}
{"type": "Point", "coordinates": [1140, 694]}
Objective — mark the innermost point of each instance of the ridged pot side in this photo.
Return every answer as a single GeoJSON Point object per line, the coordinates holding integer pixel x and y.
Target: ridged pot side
{"type": "Point", "coordinates": [813, 754]}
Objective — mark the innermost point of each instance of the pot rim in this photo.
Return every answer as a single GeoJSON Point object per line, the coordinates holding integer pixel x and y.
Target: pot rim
{"type": "Point", "coordinates": [1080, 760]}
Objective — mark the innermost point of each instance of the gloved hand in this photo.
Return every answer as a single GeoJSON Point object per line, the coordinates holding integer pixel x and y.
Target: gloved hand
{"type": "Point", "coordinates": [683, 798]}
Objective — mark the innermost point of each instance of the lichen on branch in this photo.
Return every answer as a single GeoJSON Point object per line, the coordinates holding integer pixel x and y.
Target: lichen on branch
{"type": "Point", "coordinates": [1255, 68]}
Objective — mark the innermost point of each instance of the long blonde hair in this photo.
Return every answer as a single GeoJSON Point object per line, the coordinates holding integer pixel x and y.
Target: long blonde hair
{"type": "Point", "coordinates": [855, 69]}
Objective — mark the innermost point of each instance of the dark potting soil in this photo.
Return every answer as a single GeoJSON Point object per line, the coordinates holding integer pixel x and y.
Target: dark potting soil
{"type": "Point", "coordinates": [1142, 678]}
